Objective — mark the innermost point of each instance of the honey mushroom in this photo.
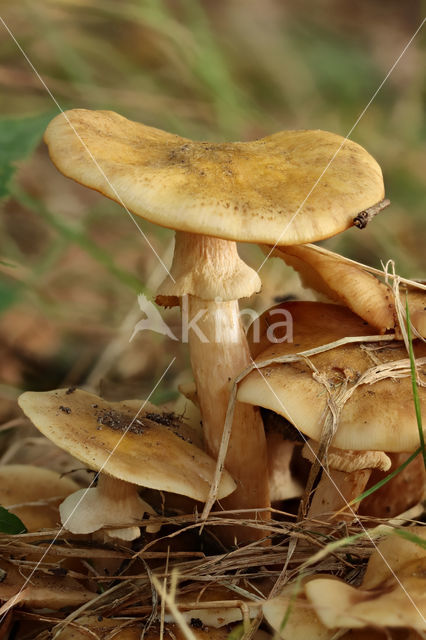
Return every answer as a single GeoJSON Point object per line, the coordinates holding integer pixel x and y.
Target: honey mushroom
{"type": "Point", "coordinates": [345, 282]}
{"type": "Point", "coordinates": [342, 282]}
{"type": "Point", "coordinates": [130, 447]}
{"type": "Point", "coordinates": [392, 593]}
{"type": "Point", "coordinates": [267, 190]}
{"type": "Point", "coordinates": [33, 494]}
{"type": "Point", "coordinates": [378, 415]}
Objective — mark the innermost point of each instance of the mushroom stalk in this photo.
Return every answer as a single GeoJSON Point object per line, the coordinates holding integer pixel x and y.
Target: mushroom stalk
{"type": "Point", "coordinates": [112, 502]}
{"type": "Point", "coordinates": [345, 479]}
{"type": "Point", "coordinates": [215, 364]}
{"type": "Point", "coordinates": [211, 272]}
{"type": "Point", "coordinates": [334, 491]}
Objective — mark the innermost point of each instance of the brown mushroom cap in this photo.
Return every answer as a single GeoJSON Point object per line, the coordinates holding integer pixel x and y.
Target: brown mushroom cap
{"type": "Point", "coordinates": [22, 484]}
{"type": "Point", "coordinates": [393, 555]}
{"type": "Point", "coordinates": [152, 453]}
{"type": "Point", "coordinates": [392, 593]}
{"type": "Point", "coordinates": [340, 605]}
{"type": "Point", "coordinates": [302, 622]}
{"type": "Point", "coordinates": [41, 591]}
{"type": "Point", "coordinates": [247, 191]}
{"type": "Point", "coordinates": [377, 416]}
{"type": "Point", "coordinates": [343, 282]}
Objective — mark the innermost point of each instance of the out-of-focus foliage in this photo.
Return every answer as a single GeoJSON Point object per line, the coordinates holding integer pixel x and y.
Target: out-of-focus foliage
{"type": "Point", "coordinates": [216, 70]}
{"type": "Point", "coordinates": [18, 137]}
{"type": "Point", "coordinates": [9, 523]}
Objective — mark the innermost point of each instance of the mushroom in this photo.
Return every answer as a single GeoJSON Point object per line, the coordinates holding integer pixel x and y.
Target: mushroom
{"type": "Point", "coordinates": [283, 485]}
{"type": "Point", "coordinates": [392, 593]}
{"type": "Point", "coordinates": [33, 494]}
{"type": "Point", "coordinates": [129, 447]}
{"type": "Point", "coordinates": [398, 495]}
{"type": "Point", "coordinates": [39, 591]}
{"type": "Point", "coordinates": [292, 608]}
{"type": "Point", "coordinates": [377, 413]}
{"type": "Point", "coordinates": [344, 282]}
{"type": "Point", "coordinates": [269, 190]}
{"type": "Point", "coordinates": [346, 477]}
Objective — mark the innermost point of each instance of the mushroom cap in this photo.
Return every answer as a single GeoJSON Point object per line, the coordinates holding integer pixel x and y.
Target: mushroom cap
{"type": "Point", "coordinates": [247, 191]}
{"type": "Point", "coordinates": [394, 555]}
{"type": "Point", "coordinates": [152, 452]}
{"type": "Point", "coordinates": [392, 593]}
{"type": "Point", "coordinates": [342, 282]}
{"type": "Point", "coordinates": [21, 484]}
{"type": "Point", "coordinates": [379, 416]}
{"type": "Point", "coordinates": [302, 622]}
{"type": "Point", "coordinates": [340, 605]}
{"type": "Point", "coordinates": [41, 591]}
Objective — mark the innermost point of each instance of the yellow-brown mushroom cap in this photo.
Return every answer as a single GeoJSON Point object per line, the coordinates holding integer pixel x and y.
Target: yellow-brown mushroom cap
{"type": "Point", "coordinates": [392, 593]}
{"type": "Point", "coordinates": [247, 191]}
{"type": "Point", "coordinates": [379, 416]}
{"type": "Point", "coordinates": [344, 282]}
{"type": "Point", "coordinates": [141, 447]}
{"type": "Point", "coordinates": [24, 484]}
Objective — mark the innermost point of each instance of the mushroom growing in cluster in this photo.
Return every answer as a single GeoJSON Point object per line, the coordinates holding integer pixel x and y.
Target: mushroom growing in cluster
{"type": "Point", "coordinates": [131, 447]}
{"type": "Point", "coordinates": [392, 593]}
{"type": "Point", "coordinates": [343, 282]}
{"type": "Point", "coordinates": [367, 385]}
{"type": "Point", "coordinates": [213, 195]}
{"type": "Point", "coordinates": [391, 599]}
{"type": "Point", "coordinates": [33, 494]}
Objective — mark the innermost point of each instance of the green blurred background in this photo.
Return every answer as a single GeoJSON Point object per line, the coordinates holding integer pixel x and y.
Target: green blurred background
{"type": "Point", "coordinates": [71, 261]}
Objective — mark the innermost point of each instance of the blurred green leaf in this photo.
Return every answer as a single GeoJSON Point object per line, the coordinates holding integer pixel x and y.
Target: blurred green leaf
{"type": "Point", "coordinates": [8, 295]}
{"type": "Point", "coordinates": [9, 523]}
{"type": "Point", "coordinates": [18, 138]}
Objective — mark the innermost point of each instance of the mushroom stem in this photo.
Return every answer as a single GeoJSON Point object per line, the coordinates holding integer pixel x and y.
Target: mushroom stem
{"type": "Point", "coordinates": [334, 491]}
{"type": "Point", "coordinates": [112, 502]}
{"type": "Point", "coordinates": [210, 270]}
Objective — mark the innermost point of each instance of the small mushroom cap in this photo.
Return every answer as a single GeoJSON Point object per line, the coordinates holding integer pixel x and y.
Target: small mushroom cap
{"type": "Point", "coordinates": [302, 622]}
{"type": "Point", "coordinates": [340, 605]}
{"type": "Point", "coordinates": [152, 452]}
{"type": "Point", "coordinates": [392, 593]}
{"type": "Point", "coordinates": [42, 591]}
{"type": "Point", "coordinates": [247, 191]}
{"type": "Point", "coordinates": [394, 555]}
{"type": "Point", "coordinates": [21, 484]}
{"type": "Point", "coordinates": [342, 282]}
{"type": "Point", "coordinates": [379, 416]}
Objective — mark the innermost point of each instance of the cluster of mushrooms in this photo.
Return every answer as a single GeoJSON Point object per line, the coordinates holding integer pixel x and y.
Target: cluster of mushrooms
{"type": "Point", "coordinates": [340, 389]}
